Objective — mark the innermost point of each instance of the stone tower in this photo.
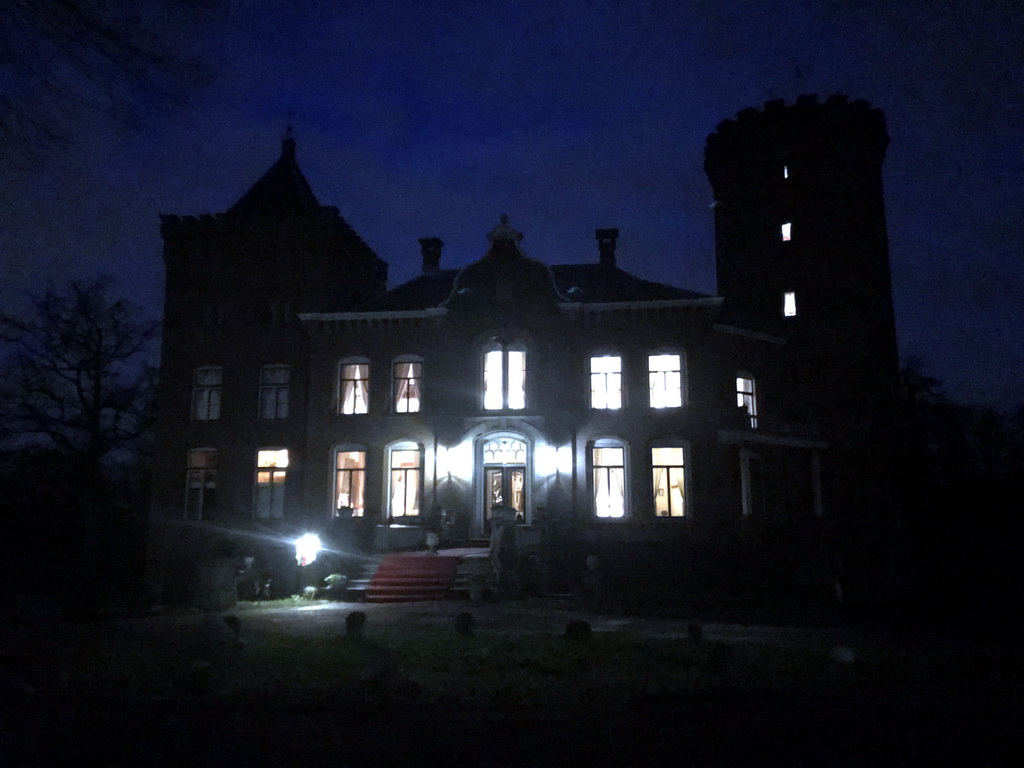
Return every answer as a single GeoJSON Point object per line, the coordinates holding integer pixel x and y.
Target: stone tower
{"type": "Point", "coordinates": [802, 253]}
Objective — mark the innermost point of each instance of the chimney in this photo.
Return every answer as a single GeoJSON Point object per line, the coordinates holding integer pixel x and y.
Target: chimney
{"type": "Point", "coordinates": [431, 247]}
{"type": "Point", "coordinates": [606, 245]}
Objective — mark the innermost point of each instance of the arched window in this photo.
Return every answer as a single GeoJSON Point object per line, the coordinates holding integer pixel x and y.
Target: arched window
{"type": "Point", "coordinates": [354, 386]}
{"type": "Point", "coordinates": [608, 471]}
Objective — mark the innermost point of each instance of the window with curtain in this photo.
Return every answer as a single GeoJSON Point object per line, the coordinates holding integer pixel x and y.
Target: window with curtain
{"type": "Point", "coordinates": [609, 467]}
{"type": "Point", "coordinates": [349, 483]}
{"type": "Point", "coordinates": [354, 388]}
{"type": "Point", "coordinates": [406, 473]}
{"type": "Point", "coordinates": [669, 481]}
{"type": "Point", "coordinates": [408, 380]}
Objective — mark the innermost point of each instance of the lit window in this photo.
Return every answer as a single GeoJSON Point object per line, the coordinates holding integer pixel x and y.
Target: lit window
{"type": "Point", "coordinates": [206, 386]}
{"type": "Point", "coordinates": [746, 398]}
{"type": "Point", "coordinates": [271, 465]}
{"type": "Point", "coordinates": [787, 231]}
{"type": "Point", "coordinates": [354, 388]}
{"type": "Point", "coordinates": [606, 382]}
{"type": "Point", "coordinates": [785, 171]}
{"type": "Point", "coordinates": [789, 304]}
{"type": "Point", "coordinates": [404, 491]}
{"type": "Point", "coordinates": [349, 483]}
{"type": "Point", "coordinates": [666, 381]}
{"type": "Point", "coordinates": [201, 484]}
{"type": "Point", "coordinates": [609, 462]}
{"type": "Point", "coordinates": [504, 379]}
{"type": "Point", "coordinates": [669, 481]}
{"type": "Point", "coordinates": [408, 379]}
{"type": "Point", "coordinates": [274, 382]}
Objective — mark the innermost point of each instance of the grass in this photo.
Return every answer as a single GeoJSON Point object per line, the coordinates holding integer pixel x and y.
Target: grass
{"type": "Point", "coordinates": [504, 671]}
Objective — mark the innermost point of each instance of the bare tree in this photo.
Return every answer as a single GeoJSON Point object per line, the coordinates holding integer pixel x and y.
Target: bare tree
{"type": "Point", "coordinates": [75, 378]}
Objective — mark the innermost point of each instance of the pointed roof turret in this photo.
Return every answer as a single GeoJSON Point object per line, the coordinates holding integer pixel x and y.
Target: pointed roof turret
{"type": "Point", "coordinates": [282, 190]}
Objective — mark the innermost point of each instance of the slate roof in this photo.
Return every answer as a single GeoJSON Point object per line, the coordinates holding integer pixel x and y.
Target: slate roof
{"type": "Point", "coordinates": [587, 283]}
{"type": "Point", "coordinates": [281, 190]}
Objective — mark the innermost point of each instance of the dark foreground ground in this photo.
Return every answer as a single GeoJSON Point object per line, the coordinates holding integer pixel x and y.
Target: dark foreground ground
{"type": "Point", "coordinates": [290, 688]}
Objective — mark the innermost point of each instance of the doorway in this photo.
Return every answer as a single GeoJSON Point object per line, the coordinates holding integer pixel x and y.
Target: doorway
{"type": "Point", "coordinates": [504, 478]}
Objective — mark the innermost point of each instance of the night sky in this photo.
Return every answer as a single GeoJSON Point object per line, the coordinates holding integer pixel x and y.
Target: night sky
{"type": "Point", "coordinates": [432, 118]}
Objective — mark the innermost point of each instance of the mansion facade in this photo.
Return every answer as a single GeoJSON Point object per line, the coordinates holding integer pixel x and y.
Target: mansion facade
{"type": "Point", "coordinates": [613, 414]}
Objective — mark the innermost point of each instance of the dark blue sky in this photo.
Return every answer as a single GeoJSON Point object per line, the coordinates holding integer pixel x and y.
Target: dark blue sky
{"type": "Point", "coordinates": [432, 118]}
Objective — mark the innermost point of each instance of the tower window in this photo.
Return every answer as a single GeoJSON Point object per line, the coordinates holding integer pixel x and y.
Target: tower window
{"type": "Point", "coordinates": [789, 304]}
{"type": "Point", "coordinates": [787, 232]}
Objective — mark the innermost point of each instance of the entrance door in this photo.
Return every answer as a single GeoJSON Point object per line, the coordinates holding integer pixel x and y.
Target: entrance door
{"type": "Point", "coordinates": [504, 485]}
{"type": "Point", "coordinates": [505, 462]}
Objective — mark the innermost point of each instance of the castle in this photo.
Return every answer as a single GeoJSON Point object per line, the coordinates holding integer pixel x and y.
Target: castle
{"type": "Point", "coordinates": [736, 443]}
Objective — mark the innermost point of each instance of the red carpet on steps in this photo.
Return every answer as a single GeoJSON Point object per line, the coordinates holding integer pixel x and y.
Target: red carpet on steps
{"type": "Point", "coordinates": [410, 576]}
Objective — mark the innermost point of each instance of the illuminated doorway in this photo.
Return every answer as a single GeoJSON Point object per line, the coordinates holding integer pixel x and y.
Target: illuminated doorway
{"type": "Point", "coordinates": [505, 461]}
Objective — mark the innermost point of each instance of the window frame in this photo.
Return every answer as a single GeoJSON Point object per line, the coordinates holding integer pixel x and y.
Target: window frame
{"type": "Point", "coordinates": [653, 375]}
{"type": "Point", "coordinates": [684, 449]}
{"type": "Point", "coordinates": [276, 389]}
{"type": "Point", "coordinates": [360, 395]}
{"type": "Point", "coordinates": [401, 388]}
{"type": "Point", "coordinates": [488, 395]}
{"type": "Point", "coordinates": [276, 505]}
{"type": "Point", "coordinates": [789, 304]}
{"type": "Point", "coordinates": [604, 377]}
{"type": "Point", "coordinates": [206, 474]}
{"type": "Point", "coordinates": [207, 397]}
{"type": "Point", "coordinates": [390, 487]}
{"type": "Point", "coordinates": [594, 470]}
{"type": "Point", "coordinates": [747, 399]}
{"type": "Point", "coordinates": [350, 473]}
